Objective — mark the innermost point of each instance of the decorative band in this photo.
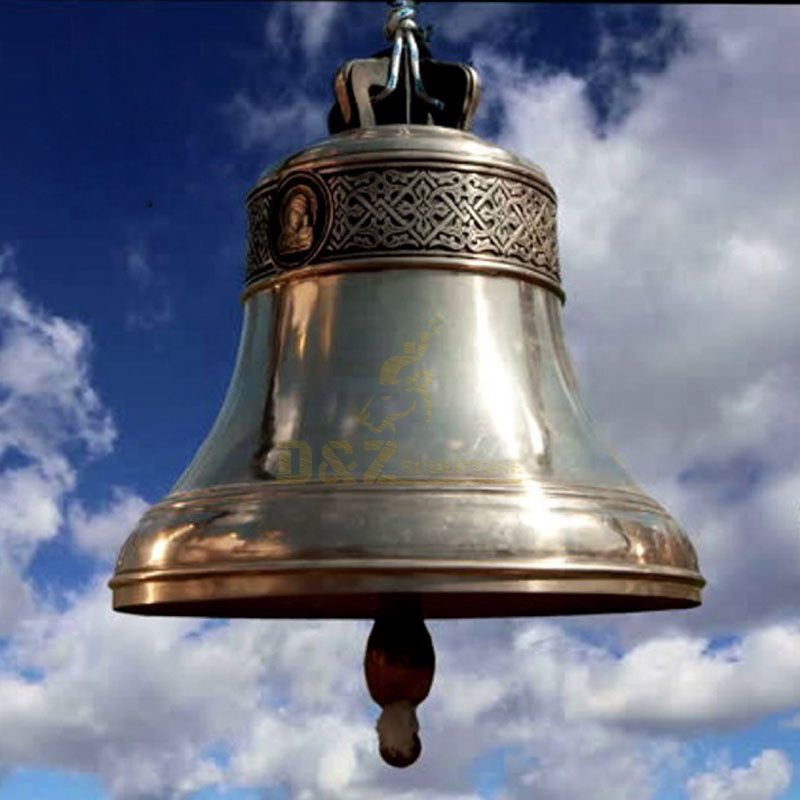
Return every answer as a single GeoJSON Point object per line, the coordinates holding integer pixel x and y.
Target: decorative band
{"type": "Point", "coordinates": [404, 211]}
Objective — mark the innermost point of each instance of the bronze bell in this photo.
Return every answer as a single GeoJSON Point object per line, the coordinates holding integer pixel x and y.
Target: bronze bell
{"type": "Point", "coordinates": [403, 435]}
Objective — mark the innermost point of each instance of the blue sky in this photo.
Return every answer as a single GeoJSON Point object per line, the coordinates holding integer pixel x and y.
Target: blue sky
{"type": "Point", "coordinates": [131, 134]}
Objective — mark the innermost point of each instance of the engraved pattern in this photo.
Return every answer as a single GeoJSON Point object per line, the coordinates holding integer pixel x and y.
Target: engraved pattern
{"type": "Point", "coordinates": [434, 210]}
{"type": "Point", "coordinates": [259, 257]}
{"type": "Point", "coordinates": [428, 211]}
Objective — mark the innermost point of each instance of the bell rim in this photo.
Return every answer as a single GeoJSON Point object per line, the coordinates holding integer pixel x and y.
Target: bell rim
{"type": "Point", "coordinates": [334, 583]}
{"type": "Point", "coordinates": [464, 590]}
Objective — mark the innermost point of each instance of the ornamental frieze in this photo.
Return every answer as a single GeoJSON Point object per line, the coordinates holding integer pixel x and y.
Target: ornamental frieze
{"type": "Point", "coordinates": [423, 211]}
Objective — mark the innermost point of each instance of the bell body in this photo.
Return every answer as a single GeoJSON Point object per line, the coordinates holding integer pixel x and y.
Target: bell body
{"type": "Point", "coordinates": [403, 418]}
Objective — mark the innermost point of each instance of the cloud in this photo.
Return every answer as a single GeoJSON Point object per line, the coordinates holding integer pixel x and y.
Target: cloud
{"type": "Point", "coordinates": [151, 705]}
{"type": "Point", "coordinates": [767, 777]}
{"type": "Point", "coordinates": [44, 379]}
{"type": "Point", "coordinates": [461, 22]}
{"type": "Point", "coordinates": [51, 420]}
{"type": "Point", "coordinates": [626, 50]}
{"type": "Point", "coordinates": [48, 409]}
{"type": "Point", "coordinates": [138, 265]}
{"type": "Point", "coordinates": [122, 698]}
{"type": "Point", "coordinates": [101, 533]}
{"type": "Point", "coordinates": [682, 684]}
{"type": "Point", "coordinates": [49, 414]}
{"type": "Point", "coordinates": [678, 239]}
{"type": "Point", "coordinates": [16, 597]}
{"type": "Point", "coordinates": [317, 23]}
{"type": "Point", "coordinates": [662, 238]}
{"type": "Point", "coordinates": [301, 120]}
{"type": "Point", "coordinates": [589, 761]}
{"type": "Point", "coordinates": [310, 23]}
{"type": "Point", "coordinates": [154, 306]}
{"type": "Point", "coordinates": [678, 259]}
{"type": "Point", "coordinates": [286, 117]}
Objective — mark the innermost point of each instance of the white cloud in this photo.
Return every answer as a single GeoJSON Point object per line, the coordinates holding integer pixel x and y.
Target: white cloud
{"type": "Point", "coordinates": [299, 121]}
{"type": "Point", "coordinates": [312, 23]}
{"type": "Point", "coordinates": [44, 379]}
{"type": "Point", "coordinates": [102, 533]}
{"type": "Point", "coordinates": [153, 305]}
{"type": "Point", "coordinates": [143, 703]}
{"type": "Point", "coordinates": [575, 762]}
{"type": "Point", "coordinates": [679, 261]}
{"type": "Point", "coordinates": [679, 683]}
{"type": "Point", "coordinates": [461, 22]}
{"type": "Point", "coordinates": [626, 49]}
{"type": "Point", "coordinates": [16, 597]}
{"type": "Point", "coordinates": [317, 22]}
{"type": "Point", "coordinates": [654, 227]}
{"type": "Point", "coordinates": [131, 700]}
{"type": "Point", "coordinates": [329, 746]}
{"type": "Point", "coordinates": [138, 266]}
{"type": "Point", "coordinates": [678, 232]}
{"type": "Point", "coordinates": [767, 777]}
{"type": "Point", "coordinates": [48, 409]}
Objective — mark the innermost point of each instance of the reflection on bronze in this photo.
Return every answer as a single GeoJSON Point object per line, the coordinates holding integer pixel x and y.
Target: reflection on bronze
{"type": "Point", "coordinates": [403, 437]}
{"type": "Point", "coordinates": [297, 215]}
{"type": "Point", "coordinates": [406, 201]}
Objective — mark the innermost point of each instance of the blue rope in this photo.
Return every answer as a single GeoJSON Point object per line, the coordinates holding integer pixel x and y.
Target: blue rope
{"type": "Point", "coordinates": [401, 27]}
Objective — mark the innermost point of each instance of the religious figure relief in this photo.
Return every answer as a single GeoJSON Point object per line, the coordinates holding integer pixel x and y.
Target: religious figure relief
{"type": "Point", "coordinates": [297, 217]}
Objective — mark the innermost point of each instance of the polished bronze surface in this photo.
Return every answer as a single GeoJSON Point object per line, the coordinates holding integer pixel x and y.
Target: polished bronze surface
{"type": "Point", "coordinates": [403, 84]}
{"type": "Point", "coordinates": [403, 418]}
{"type": "Point", "coordinates": [406, 196]}
{"type": "Point", "coordinates": [403, 435]}
{"type": "Point", "coordinates": [404, 431]}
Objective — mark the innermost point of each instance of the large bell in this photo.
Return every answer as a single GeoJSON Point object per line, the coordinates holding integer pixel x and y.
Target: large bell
{"type": "Point", "coordinates": [403, 427]}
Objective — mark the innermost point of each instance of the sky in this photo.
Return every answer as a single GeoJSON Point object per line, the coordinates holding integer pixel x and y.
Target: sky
{"type": "Point", "coordinates": [130, 135]}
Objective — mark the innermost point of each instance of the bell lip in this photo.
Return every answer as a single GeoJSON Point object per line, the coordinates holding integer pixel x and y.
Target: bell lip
{"type": "Point", "coordinates": [339, 591]}
{"type": "Point", "coordinates": [342, 585]}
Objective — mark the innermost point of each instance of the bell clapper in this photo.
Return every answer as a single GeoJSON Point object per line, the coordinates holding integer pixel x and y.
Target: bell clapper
{"type": "Point", "coordinates": [399, 664]}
